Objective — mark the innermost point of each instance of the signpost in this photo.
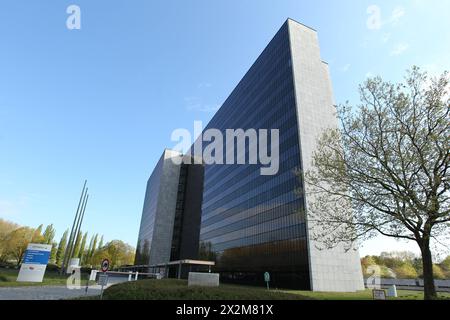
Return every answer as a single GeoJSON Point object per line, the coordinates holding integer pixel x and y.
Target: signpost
{"type": "Point", "coordinates": [103, 278]}
{"type": "Point", "coordinates": [379, 294]}
{"type": "Point", "coordinates": [267, 279]}
{"type": "Point", "coordinates": [34, 263]}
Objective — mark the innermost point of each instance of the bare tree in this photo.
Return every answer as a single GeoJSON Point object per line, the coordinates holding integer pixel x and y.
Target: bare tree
{"type": "Point", "coordinates": [386, 169]}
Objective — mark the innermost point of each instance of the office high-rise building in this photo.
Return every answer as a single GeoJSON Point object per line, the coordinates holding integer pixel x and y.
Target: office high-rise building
{"type": "Point", "coordinates": [170, 220]}
{"type": "Point", "coordinates": [251, 223]}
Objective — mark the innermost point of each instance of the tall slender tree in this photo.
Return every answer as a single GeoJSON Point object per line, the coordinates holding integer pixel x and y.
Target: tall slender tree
{"type": "Point", "coordinates": [100, 245]}
{"type": "Point", "coordinates": [37, 235]}
{"type": "Point", "coordinates": [76, 250]}
{"type": "Point", "coordinates": [49, 234]}
{"type": "Point", "coordinates": [82, 252]}
{"type": "Point", "coordinates": [92, 249]}
{"type": "Point", "coordinates": [53, 252]}
{"type": "Point", "coordinates": [61, 248]}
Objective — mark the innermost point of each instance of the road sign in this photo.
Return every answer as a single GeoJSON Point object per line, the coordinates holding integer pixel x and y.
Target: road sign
{"type": "Point", "coordinates": [102, 279]}
{"type": "Point", "coordinates": [105, 265]}
{"type": "Point", "coordinates": [34, 262]}
{"type": "Point", "coordinates": [379, 294]}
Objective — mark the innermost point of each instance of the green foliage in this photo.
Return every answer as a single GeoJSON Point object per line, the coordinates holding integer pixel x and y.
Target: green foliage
{"type": "Point", "coordinates": [15, 239]}
{"type": "Point", "coordinates": [118, 252]}
{"type": "Point", "coordinates": [437, 272]}
{"type": "Point", "coordinates": [6, 227]}
{"type": "Point", "coordinates": [61, 248]}
{"type": "Point", "coordinates": [16, 242]}
{"type": "Point", "coordinates": [100, 245]}
{"type": "Point", "coordinates": [83, 246]}
{"type": "Point", "coordinates": [91, 250]}
{"type": "Point", "coordinates": [385, 168]}
{"type": "Point", "coordinates": [406, 271]}
{"type": "Point", "coordinates": [445, 266]}
{"type": "Point", "coordinates": [53, 252]}
{"type": "Point", "coordinates": [49, 234]}
{"type": "Point", "coordinates": [402, 265]}
{"type": "Point", "coordinates": [366, 262]}
{"type": "Point", "coordinates": [37, 235]}
{"type": "Point", "coordinates": [76, 250]}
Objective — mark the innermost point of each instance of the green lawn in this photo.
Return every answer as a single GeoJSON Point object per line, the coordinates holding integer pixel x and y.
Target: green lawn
{"type": "Point", "coordinates": [363, 295]}
{"type": "Point", "coordinates": [51, 278]}
{"type": "Point", "coordinates": [172, 289]}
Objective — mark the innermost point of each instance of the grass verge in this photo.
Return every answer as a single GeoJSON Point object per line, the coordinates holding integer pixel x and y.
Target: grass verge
{"type": "Point", "coordinates": [363, 295]}
{"type": "Point", "coordinates": [173, 289]}
{"type": "Point", "coordinates": [8, 278]}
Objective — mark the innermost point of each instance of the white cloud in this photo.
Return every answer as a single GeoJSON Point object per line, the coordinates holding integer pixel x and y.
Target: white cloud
{"type": "Point", "coordinates": [13, 208]}
{"type": "Point", "coordinates": [196, 104]}
{"type": "Point", "coordinates": [399, 49]}
{"type": "Point", "coordinates": [7, 209]}
{"type": "Point", "coordinates": [204, 85]}
{"type": "Point", "coordinates": [386, 37]}
{"type": "Point", "coordinates": [346, 67]}
{"type": "Point", "coordinates": [379, 244]}
{"type": "Point", "coordinates": [397, 14]}
{"type": "Point", "coordinates": [375, 19]}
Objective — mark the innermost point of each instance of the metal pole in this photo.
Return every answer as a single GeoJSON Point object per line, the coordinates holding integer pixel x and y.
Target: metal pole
{"type": "Point", "coordinates": [82, 214]}
{"type": "Point", "coordinates": [75, 233]}
{"type": "Point", "coordinates": [77, 228]}
{"type": "Point", "coordinates": [63, 266]}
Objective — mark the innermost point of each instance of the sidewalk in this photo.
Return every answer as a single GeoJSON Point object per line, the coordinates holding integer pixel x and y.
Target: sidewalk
{"type": "Point", "coordinates": [46, 293]}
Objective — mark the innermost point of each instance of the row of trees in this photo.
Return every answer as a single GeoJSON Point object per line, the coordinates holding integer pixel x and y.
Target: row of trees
{"type": "Point", "coordinates": [403, 265]}
{"type": "Point", "coordinates": [14, 240]}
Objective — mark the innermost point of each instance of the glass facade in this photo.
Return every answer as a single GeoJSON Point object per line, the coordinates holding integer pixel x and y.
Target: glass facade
{"type": "Point", "coordinates": [252, 223]}
{"type": "Point", "coordinates": [148, 216]}
{"type": "Point", "coordinates": [247, 222]}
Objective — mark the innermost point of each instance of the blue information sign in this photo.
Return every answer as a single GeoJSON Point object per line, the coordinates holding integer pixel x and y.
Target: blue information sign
{"type": "Point", "coordinates": [34, 262]}
{"type": "Point", "coordinates": [36, 257]}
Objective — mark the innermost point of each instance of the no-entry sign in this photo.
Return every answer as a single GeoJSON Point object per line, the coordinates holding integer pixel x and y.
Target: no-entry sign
{"type": "Point", "coordinates": [105, 265]}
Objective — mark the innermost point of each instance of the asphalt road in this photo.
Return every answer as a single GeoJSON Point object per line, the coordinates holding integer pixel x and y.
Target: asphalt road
{"type": "Point", "coordinates": [45, 293]}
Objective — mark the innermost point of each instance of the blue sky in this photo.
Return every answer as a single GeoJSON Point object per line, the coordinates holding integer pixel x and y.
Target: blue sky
{"type": "Point", "coordinates": [100, 103]}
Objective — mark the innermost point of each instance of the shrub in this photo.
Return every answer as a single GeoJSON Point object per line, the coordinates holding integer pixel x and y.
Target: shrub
{"type": "Point", "coordinates": [406, 271]}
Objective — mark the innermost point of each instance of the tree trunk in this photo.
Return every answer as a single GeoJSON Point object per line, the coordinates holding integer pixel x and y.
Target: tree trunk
{"type": "Point", "coordinates": [428, 278]}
